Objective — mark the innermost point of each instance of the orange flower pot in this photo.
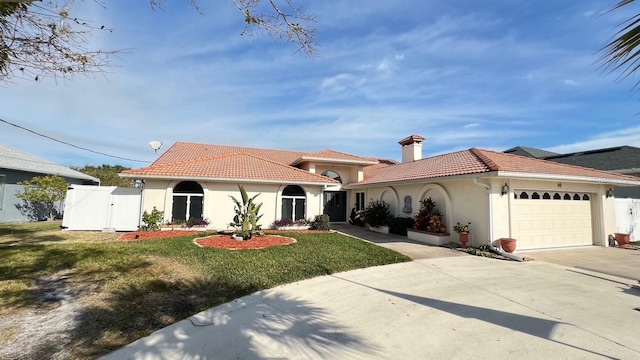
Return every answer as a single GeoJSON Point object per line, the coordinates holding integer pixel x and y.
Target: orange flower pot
{"type": "Point", "coordinates": [464, 238]}
{"type": "Point", "coordinates": [622, 238]}
{"type": "Point", "coordinates": [508, 245]}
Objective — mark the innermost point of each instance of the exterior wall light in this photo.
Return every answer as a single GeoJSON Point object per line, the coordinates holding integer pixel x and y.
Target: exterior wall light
{"type": "Point", "coordinates": [505, 189]}
{"type": "Point", "coordinates": [609, 192]}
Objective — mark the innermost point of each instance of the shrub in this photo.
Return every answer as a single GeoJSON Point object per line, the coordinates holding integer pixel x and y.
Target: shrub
{"type": "Point", "coordinates": [281, 223]}
{"type": "Point", "coordinates": [152, 221]}
{"type": "Point", "coordinates": [320, 222]}
{"type": "Point", "coordinates": [399, 225]}
{"type": "Point", "coordinates": [429, 218]}
{"type": "Point", "coordinates": [377, 213]}
{"type": "Point", "coordinates": [197, 222]}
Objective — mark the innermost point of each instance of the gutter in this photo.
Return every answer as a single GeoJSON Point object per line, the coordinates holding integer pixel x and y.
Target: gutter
{"type": "Point", "coordinates": [573, 178]}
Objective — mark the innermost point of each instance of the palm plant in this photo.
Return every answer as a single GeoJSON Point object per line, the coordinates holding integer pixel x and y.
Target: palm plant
{"type": "Point", "coordinates": [247, 214]}
{"type": "Point", "coordinates": [620, 52]}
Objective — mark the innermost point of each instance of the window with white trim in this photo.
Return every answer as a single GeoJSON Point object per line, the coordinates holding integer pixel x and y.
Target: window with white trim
{"type": "Point", "coordinates": [294, 203]}
{"type": "Point", "coordinates": [359, 201]}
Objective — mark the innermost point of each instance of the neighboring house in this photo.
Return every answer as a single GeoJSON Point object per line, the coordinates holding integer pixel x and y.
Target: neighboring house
{"type": "Point", "coordinates": [530, 152]}
{"type": "Point", "coordinates": [540, 203]}
{"type": "Point", "coordinates": [620, 159]}
{"type": "Point", "coordinates": [17, 166]}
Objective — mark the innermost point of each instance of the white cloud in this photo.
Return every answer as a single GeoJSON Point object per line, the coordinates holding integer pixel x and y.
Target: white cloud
{"type": "Point", "coordinates": [342, 82]}
{"type": "Point", "coordinates": [629, 136]}
{"type": "Point", "coordinates": [570, 82]}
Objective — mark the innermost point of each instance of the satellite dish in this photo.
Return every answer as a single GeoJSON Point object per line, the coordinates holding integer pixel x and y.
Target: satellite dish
{"type": "Point", "coordinates": [155, 145]}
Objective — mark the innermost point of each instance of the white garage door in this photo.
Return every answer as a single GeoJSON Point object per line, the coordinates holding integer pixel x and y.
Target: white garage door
{"type": "Point", "coordinates": [551, 219]}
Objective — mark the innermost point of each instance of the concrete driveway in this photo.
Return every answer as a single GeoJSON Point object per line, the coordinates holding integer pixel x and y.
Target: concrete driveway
{"type": "Point", "coordinates": [445, 308]}
{"type": "Point", "coordinates": [413, 249]}
{"type": "Point", "coordinates": [612, 260]}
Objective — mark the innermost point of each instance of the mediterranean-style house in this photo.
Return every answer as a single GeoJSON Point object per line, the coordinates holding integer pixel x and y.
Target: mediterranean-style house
{"type": "Point", "coordinates": [540, 203]}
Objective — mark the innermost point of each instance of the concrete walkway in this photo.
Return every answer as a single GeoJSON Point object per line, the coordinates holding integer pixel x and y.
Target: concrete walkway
{"type": "Point", "coordinates": [413, 249]}
{"type": "Point", "coordinates": [612, 260]}
{"type": "Point", "coordinates": [464, 307]}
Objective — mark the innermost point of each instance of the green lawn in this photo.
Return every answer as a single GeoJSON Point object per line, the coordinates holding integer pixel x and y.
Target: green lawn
{"type": "Point", "coordinates": [135, 288]}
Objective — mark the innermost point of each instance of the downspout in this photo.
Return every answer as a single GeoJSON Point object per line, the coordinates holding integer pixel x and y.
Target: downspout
{"type": "Point", "coordinates": [475, 181]}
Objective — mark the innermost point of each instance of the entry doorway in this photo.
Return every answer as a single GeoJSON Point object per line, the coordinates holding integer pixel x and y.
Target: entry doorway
{"type": "Point", "coordinates": [335, 205]}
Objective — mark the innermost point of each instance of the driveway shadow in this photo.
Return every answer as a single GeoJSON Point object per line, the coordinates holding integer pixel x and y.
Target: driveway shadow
{"type": "Point", "coordinates": [252, 327]}
{"type": "Point", "coordinates": [534, 326]}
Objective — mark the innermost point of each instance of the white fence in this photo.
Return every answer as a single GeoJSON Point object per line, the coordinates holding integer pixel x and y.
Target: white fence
{"type": "Point", "coordinates": [105, 208]}
{"type": "Point", "coordinates": [628, 217]}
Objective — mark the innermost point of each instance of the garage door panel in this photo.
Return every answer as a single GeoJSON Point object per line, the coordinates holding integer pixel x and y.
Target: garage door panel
{"type": "Point", "coordinates": [539, 223]}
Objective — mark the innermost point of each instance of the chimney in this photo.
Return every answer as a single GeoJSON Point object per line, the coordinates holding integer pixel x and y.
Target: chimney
{"type": "Point", "coordinates": [411, 148]}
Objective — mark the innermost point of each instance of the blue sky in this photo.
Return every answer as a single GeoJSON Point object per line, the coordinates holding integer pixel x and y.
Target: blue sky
{"type": "Point", "coordinates": [491, 74]}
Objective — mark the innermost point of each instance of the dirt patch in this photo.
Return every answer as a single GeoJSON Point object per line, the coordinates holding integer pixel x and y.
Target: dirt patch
{"type": "Point", "coordinates": [146, 235]}
{"type": "Point", "coordinates": [256, 242]}
{"type": "Point", "coordinates": [43, 332]}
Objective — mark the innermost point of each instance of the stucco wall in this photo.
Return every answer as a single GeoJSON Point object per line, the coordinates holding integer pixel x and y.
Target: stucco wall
{"type": "Point", "coordinates": [218, 207]}
{"type": "Point", "coordinates": [458, 200]}
{"type": "Point", "coordinates": [463, 201]}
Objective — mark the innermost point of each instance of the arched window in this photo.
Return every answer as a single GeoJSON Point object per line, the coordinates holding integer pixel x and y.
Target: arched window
{"type": "Point", "coordinates": [294, 202]}
{"type": "Point", "coordinates": [524, 195]}
{"type": "Point", "coordinates": [557, 196]}
{"type": "Point", "coordinates": [332, 175]}
{"type": "Point", "coordinates": [585, 197]}
{"type": "Point", "coordinates": [535, 196]}
{"type": "Point", "coordinates": [546, 196]}
{"type": "Point", "coordinates": [576, 197]}
{"type": "Point", "coordinates": [567, 197]}
{"type": "Point", "coordinates": [187, 201]}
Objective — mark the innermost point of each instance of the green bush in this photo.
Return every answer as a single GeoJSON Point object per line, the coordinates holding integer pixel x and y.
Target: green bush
{"type": "Point", "coordinates": [320, 222]}
{"type": "Point", "coordinates": [399, 225]}
{"type": "Point", "coordinates": [153, 221]}
{"type": "Point", "coordinates": [377, 213]}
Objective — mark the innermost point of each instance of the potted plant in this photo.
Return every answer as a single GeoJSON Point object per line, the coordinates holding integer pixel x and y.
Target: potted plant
{"type": "Point", "coordinates": [463, 233]}
{"type": "Point", "coordinates": [377, 215]}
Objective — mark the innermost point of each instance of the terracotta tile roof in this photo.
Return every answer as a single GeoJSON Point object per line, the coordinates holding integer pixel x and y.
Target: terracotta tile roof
{"type": "Point", "coordinates": [184, 151]}
{"type": "Point", "coordinates": [230, 166]}
{"type": "Point", "coordinates": [332, 155]}
{"type": "Point", "coordinates": [478, 161]}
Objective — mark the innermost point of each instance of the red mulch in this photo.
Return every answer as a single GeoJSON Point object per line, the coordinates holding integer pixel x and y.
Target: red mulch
{"type": "Point", "coordinates": [146, 235]}
{"type": "Point", "coordinates": [256, 242]}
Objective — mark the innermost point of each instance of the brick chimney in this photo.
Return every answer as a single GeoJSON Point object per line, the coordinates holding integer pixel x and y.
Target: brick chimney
{"type": "Point", "coordinates": [411, 148]}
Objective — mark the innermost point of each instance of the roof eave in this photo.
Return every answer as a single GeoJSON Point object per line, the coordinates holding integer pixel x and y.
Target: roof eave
{"type": "Point", "coordinates": [30, 170]}
{"type": "Point", "coordinates": [572, 178]}
{"type": "Point", "coordinates": [230, 180]}
{"type": "Point", "coordinates": [338, 161]}
{"type": "Point", "coordinates": [420, 180]}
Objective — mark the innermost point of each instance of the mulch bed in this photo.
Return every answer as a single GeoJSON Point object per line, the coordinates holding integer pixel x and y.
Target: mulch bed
{"type": "Point", "coordinates": [146, 235]}
{"type": "Point", "coordinates": [256, 242]}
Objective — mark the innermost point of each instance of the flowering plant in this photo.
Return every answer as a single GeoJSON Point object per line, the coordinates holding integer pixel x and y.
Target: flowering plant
{"type": "Point", "coordinates": [460, 228]}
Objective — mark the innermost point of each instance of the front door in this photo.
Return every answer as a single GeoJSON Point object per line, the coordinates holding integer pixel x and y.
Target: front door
{"type": "Point", "coordinates": [335, 205]}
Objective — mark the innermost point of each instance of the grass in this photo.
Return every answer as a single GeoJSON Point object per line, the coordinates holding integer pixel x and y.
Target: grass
{"type": "Point", "coordinates": [135, 288]}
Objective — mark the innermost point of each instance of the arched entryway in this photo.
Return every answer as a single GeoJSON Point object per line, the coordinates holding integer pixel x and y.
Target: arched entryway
{"type": "Point", "coordinates": [294, 203]}
{"type": "Point", "coordinates": [188, 199]}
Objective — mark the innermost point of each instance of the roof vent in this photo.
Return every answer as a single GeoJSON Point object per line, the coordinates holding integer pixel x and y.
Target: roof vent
{"type": "Point", "coordinates": [411, 148]}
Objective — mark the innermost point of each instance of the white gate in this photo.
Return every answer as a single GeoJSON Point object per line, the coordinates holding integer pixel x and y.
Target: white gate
{"type": "Point", "coordinates": [628, 217]}
{"type": "Point", "coordinates": [104, 208]}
